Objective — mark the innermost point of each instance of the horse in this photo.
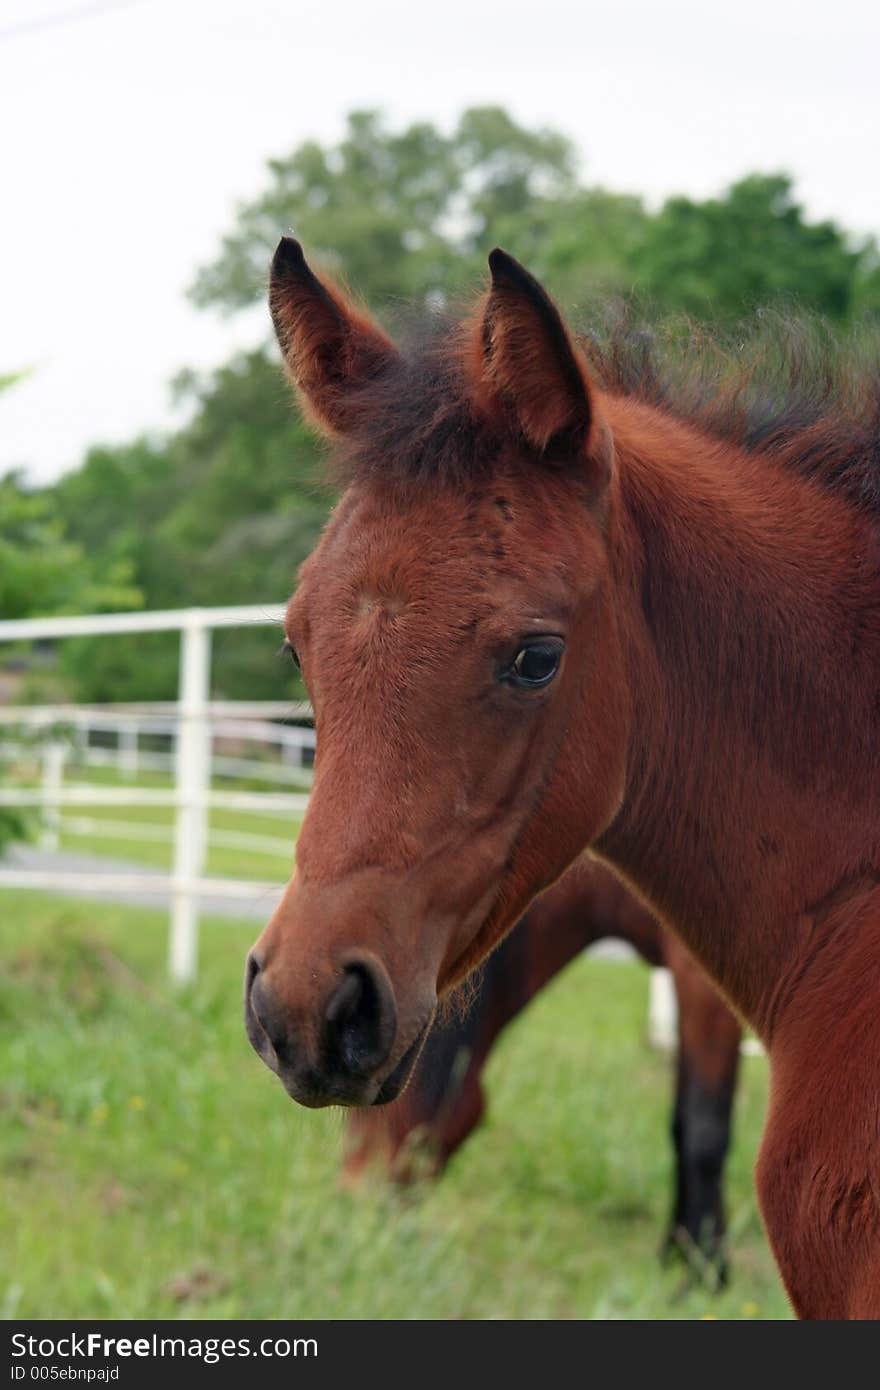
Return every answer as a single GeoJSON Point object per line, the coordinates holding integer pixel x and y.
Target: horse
{"type": "Point", "coordinates": [415, 1136]}
{"type": "Point", "coordinates": [594, 593]}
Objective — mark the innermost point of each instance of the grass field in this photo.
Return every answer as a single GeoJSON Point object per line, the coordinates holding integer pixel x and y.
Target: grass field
{"type": "Point", "coordinates": [152, 1167]}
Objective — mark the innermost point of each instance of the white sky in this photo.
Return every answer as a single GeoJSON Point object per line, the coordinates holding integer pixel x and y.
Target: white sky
{"type": "Point", "coordinates": [128, 133]}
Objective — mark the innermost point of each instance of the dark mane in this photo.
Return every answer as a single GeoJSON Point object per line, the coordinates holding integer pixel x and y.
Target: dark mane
{"type": "Point", "coordinates": [416, 421]}
{"type": "Point", "coordinates": [782, 385]}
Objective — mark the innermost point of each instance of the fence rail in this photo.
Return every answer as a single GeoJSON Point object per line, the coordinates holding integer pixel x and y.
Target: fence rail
{"type": "Point", "coordinates": [295, 802]}
{"type": "Point", "coordinates": [161, 884]}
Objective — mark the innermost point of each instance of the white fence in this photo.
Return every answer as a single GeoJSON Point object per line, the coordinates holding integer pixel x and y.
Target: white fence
{"type": "Point", "coordinates": [126, 731]}
{"type": "Point", "coordinates": [191, 726]}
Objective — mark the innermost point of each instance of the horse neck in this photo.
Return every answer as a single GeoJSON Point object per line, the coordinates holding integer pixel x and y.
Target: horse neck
{"type": "Point", "coordinates": [749, 613]}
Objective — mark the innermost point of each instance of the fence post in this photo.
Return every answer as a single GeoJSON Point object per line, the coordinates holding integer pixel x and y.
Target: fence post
{"type": "Point", "coordinates": [663, 1011]}
{"type": "Point", "coordinates": [81, 741]}
{"type": "Point", "coordinates": [193, 785]}
{"type": "Point", "coordinates": [53, 778]}
{"type": "Point", "coordinates": [127, 749]}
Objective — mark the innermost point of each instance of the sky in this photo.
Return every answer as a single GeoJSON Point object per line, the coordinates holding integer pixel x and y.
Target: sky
{"type": "Point", "coordinates": [131, 129]}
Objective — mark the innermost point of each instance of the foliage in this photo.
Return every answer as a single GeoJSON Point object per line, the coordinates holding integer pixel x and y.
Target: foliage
{"type": "Point", "coordinates": [221, 513]}
{"type": "Point", "coordinates": [724, 257]}
{"type": "Point", "coordinates": [43, 570]}
{"type": "Point", "coordinates": [401, 213]}
{"type": "Point", "coordinates": [411, 214]}
{"type": "Point", "coordinates": [42, 567]}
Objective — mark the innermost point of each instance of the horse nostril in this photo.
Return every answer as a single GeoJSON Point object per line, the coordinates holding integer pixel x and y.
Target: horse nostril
{"type": "Point", "coordinates": [264, 1020]}
{"type": "Point", "coordinates": [360, 1018]}
{"type": "Point", "coordinates": [251, 971]}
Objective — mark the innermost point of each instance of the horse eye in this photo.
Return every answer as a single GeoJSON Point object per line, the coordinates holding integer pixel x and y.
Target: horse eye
{"type": "Point", "coordinates": [288, 649]}
{"type": "Point", "coordinates": [535, 664]}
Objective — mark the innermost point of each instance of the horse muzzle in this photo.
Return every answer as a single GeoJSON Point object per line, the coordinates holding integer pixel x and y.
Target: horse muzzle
{"type": "Point", "coordinates": [348, 1052]}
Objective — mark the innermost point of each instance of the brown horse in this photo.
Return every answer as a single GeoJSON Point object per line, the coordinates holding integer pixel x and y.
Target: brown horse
{"type": "Point", "coordinates": [416, 1134]}
{"type": "Point", "coordinates": [573, 597]}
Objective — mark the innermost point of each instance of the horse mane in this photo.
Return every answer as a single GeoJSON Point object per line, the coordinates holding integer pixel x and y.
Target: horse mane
{"type": "Point", "coordinates": [781, 385]}
{"type": "Point", "coordinates": [416, 421]}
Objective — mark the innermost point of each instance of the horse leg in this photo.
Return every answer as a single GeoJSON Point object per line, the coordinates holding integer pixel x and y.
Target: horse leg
{"type": "Point", "coordinates": [818, 1172]}
{"type": "Point", "coordinates": [708, 1061]}
{"type": "Point", "coordinates": [819, 1203]}
{"type": "Point", "coordinates": [701, 1135]}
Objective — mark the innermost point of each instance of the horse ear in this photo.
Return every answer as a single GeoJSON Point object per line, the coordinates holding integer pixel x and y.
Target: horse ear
{"type": "Point", "coordinates": [329, 347]}
{"type": "Point", "coordinates": [531, 363]}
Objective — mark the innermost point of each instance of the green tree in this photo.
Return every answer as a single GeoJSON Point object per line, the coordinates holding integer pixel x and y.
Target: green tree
{"type": "Point", "coordinates": [721, 258]}
{"type": "Point", "coordinates": [252, 506]}
{"type": "Point", "coordinates": [245, 457]}
{"type": "Point", "coordinates": [411, 214]}
{"type": "Point", "coordinates": [374, 204]}
{"type": "Point", "coordinates": [223, 512]}
{"type": "Point", "coordinates": [581, 246]}
{"type": "Point", "coordinates": [42, 570]}
{"type": "Point", "coordinates": [866, 296]}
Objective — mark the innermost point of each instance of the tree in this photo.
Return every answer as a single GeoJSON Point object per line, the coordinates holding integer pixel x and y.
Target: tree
{"type": "Point", "coordinates": [42, 570]}
{"type": "Point", "coordinates": [223, 512]}
{"type": "Point", "coordinates": [721, 258]}
{"type": "Point", "coordinates": [373, 203]}
{"type": "Point", "coordinates": [866, 297]}
{"type": "Point", "coordinates": [411, 214]}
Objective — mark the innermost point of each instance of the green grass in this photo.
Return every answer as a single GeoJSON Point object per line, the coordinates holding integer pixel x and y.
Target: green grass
{"type": "Point", "coordinates": [151, 1167]}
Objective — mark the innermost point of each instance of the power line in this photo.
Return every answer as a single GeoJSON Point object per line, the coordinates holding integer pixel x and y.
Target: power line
{"type": "Point", "coordinates": [42, 23]}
